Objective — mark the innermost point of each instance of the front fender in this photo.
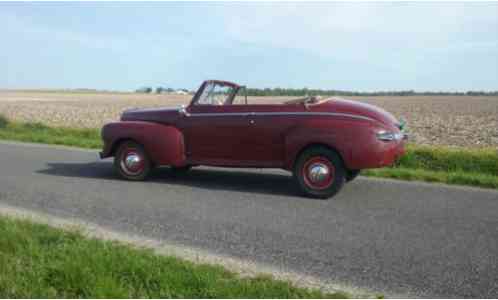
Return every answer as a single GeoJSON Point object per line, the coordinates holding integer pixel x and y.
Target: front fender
{"type": "Point", "coordinates": [164, 144]}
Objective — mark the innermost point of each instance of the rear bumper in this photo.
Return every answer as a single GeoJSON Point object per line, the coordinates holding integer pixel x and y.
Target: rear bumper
{"type": "Point", "coordinates": [395, 152]}
{"type": "Point", "coordinates": [377, 155]}
{"type": "Point", "coordinates": [392, 155]}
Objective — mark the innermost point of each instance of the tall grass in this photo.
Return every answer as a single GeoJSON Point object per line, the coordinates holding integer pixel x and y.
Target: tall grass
{"type": "Point", "coordinates": [453, 177]}
{"type": "Point", "coordinates": [3, 121]}
{"type": "Point", "coordinates": [449, 159]}
{"type": "Point", "coordinates": [450, 165]}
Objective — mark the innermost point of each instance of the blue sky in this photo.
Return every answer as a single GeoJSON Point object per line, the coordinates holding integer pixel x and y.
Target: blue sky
{"type": "Point", "coordinates": [348, 46]}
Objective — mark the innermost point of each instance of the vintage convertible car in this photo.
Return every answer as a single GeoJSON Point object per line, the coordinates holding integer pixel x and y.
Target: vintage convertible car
{"type": "Point", "coordinates": [324, 142]}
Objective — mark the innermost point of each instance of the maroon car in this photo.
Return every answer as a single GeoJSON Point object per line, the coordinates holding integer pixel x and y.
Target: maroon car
{"type": "Point", "coordinates": [323, 142]}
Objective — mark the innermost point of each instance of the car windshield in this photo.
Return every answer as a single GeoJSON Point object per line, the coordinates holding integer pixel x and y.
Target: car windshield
{"type": "Point", "coordinates": [215, 94]}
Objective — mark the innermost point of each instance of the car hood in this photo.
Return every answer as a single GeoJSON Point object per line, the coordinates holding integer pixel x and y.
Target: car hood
{"type": "Point", "coordinates": [166, 115]}
{"type": "Point", "coordinates": [338, 105]}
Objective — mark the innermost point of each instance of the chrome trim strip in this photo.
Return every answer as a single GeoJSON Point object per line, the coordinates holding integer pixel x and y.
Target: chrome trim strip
{"type": "Point", "coordinates": [248, 114]}
{"type": "Point", "coordinates": [219, 114]}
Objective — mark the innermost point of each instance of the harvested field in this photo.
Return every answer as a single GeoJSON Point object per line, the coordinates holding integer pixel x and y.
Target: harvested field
{"type": "Point", "coordinates": [469, 121]}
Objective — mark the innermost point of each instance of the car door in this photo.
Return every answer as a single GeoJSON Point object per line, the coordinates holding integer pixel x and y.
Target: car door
{"type": "Point", "coordinates": [214, 130]}
{"type": "Point", "coordinates": [214, 135]}
{"type": "Point", "coordinates": [268, 127]}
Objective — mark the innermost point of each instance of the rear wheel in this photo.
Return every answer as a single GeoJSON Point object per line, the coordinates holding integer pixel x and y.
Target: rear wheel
{"type": "Point", "coordinates": [319, 172]}
{"type": "Point", "coordinates": [131, 162]}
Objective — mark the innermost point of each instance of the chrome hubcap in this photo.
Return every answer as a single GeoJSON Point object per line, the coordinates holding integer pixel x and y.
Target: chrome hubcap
{"type": "Point", "coordinates": [132, 161]}
{"type": "Point", "coordinates": [318, 172]}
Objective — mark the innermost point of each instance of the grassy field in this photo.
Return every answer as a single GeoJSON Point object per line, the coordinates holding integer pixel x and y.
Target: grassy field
{"type": "Point", "coordinates": [451, 165]}
{"type": "Point", "coordinates": [38, 261]}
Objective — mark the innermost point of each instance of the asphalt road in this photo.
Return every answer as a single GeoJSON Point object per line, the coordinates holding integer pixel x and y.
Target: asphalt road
{"type": "Point", "coordinates": [388, 236]}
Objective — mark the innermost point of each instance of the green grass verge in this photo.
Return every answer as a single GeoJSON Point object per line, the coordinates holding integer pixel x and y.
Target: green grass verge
{"type": "Point", "coordinates": [456, 177]}
{"type": "Point", "coordinates": [451, 159]}
{"type": "Point", "coordinates": [40, 133]}
{"type": "Point", "coordinates": [451, 165]}
{"type": "Point", "coordinates": [38, 261]}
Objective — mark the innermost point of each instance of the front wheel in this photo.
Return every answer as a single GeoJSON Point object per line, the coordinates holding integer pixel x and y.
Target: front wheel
{"type": "Point", "coordinates": [131, 162]}
{"type": "Point", "coordinates": [319, 172]}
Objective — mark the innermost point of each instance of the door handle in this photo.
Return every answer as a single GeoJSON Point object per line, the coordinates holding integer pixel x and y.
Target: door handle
{"type": "Point", "coordinates": [251, 117]}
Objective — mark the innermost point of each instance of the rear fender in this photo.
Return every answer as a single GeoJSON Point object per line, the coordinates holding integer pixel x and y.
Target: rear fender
{"type": "Point", "coordinates": [164, 144]}
{"type": "Point", "coordinates": [301, 137]}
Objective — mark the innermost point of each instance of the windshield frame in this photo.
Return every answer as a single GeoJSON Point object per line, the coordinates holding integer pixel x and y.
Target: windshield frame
{"type": "Point", "coordinates": [235, 89]}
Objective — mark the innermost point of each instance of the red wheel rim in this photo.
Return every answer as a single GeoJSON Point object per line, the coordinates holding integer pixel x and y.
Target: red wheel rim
{"type": "Point", "coordinates": [318, 173]}
{"type": "Point", "coordinates": [132, 161]}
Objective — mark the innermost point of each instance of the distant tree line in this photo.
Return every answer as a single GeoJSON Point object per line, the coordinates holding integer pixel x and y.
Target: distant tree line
{"type": "Point", "coordinates": [310, 92]}
{"type": "Point", "coordinates": [158, 90]}
{"type": "Point", "coordinates": [304, 92]}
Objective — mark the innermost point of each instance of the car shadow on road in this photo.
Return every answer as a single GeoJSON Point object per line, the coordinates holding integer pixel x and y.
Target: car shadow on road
{"type": "Point", "coordinates": [205, 178]}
